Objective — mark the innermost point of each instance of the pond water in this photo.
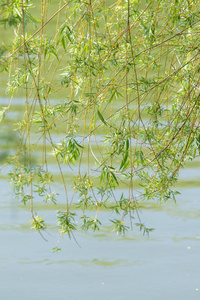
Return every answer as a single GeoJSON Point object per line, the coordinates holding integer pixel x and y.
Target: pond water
{"type": "Point", "coordinates": [101, 265]}
{"type": "Point", "coordinates": [104, 265]}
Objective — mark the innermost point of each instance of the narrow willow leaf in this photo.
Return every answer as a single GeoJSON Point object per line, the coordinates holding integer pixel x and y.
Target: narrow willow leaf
{"type": "Point", "coordinates": [101, 117]}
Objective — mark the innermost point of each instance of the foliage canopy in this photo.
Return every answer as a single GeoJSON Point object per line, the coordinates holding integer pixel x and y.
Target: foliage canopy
{"type": "Point", "coordinates": [111, 93]}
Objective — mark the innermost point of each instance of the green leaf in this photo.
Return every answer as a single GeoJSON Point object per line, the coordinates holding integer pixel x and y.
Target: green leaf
{"type": "Point", "coordinates": [101, 117]}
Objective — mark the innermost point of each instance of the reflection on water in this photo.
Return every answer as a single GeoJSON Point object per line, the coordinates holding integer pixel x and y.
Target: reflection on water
{"type": "Point", "coordinates": [82, 262]}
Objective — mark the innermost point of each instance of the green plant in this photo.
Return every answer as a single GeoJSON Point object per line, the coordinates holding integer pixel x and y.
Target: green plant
{"type": "Point", "coordinates": [111, 88]}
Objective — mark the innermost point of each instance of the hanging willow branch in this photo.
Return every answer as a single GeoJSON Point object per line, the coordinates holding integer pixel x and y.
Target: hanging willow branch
{"type": "Point", "coordinates": [112, 99]}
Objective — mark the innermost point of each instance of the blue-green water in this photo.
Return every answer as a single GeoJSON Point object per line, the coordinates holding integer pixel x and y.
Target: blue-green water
{"type": "Point", "coordinates": [105, 266]}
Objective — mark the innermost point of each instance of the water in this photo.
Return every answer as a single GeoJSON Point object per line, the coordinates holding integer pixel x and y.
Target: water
{"type": "Point", "coordinates": [105, 266]}
{"type": "Point", "coordinates": [102, 265]}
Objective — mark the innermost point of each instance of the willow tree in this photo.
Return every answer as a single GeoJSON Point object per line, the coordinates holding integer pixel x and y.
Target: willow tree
{"type": "Point", "coordinates": [111, 93]}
